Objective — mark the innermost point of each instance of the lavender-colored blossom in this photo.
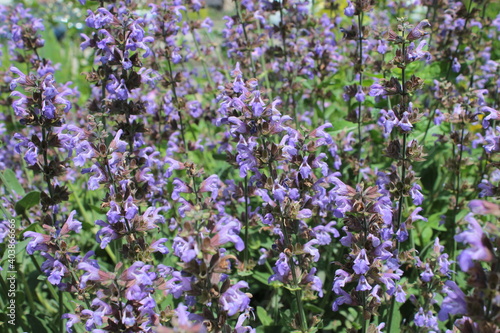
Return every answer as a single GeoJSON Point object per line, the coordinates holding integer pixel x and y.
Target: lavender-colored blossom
{"type": "Point", "coordinates": [234, 300]}
{"type": "Point", "coordinates": [38, 243]}
{"type": "Point", "coordinates": [227, 230]}
{"type": "Point", "coordinates": [341, 278]}
{"type": "Point", "coordinates": [187, 250]}
{"type": "Point", "coordinates": [454, 303]}
{"type": "Point", "coordinates": [159, 246]}
{"type": "Point", "coordinates": [404, 123]}
{"type": "Point", "coordinates": [345, 298]}
{"type": "Point", "coordinates": [377, 90]}
{"type": "Point", "coordinates": [400, 294]}
{"type": "Point", "coordinates": [281, 269]}
{"type": "Point", "coordinates": [427, 275]}
{"type": "Point", "coordinates": [363, 284]}
{"type": "Point", "coordinates": [474, 238]}
{"type": "Point", "coordinates": [483, 207]}
{"type": "Point", "coordinates": [361, 263]}
{"type": "Point", "coordinates": [349, 10]}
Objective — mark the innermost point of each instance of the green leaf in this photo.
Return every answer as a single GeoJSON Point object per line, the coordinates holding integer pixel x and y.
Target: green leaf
{"type": "Point", "coordinates": [245, 273]}
{"type": "Point", "coordinates": [6, 213]}
{"type": "Point", "coordinates": [261, 277]}
{"type": "Point", "coordinates": [396, 318]}
{"type": "Point", "coordinates": [20, 247]}
{"type": "Point", "coordinates": [97, 209]}
{"type": "Point", "coordinates": [313, 308]}
{"type": "Point", "coordinates": [9, 179]}
{"type": "Point", "coordinates": [30, 200]}
{"type": "Point", "coordinates": [36, 324]}
{"type": "Point", "coordinates": [264, 318]}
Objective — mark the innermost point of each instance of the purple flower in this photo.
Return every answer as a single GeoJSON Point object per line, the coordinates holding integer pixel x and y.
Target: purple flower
{"type": "Point", "coordinates": [212, 185]}
{"type": "Point", "coordinates": [96, 317]}
{"type": "Point", "coordinates": [315, 281]}
{"type": "Point", "coordinates": [455, 66]}
{"type": "Point", "coordinates": [54, 269]}
{"type": "Point", "coordinates": [416, 195]}
{"type": "Point", "coordinates": [187, 250]}
{"type": "Point", "coordinates": [304, 214]}
{"type": "Point", "coordinates": [322, 233]}
{"type": "Point", "coordinates": [308, 248]}
{"type": "Point", "coordinates": [323, 137]}
{"type": "Point", "coordinates": [420, 319]}
{"type": "Point", "coordinates": [400, 294]}
{"type": "Point", "coordinates": [106, 234]}
{"type": "Point", "coordinates": [281, 269]}
{"type": "Point", "coordinates": [128, 317]}
{"type": "Point", "coordinates": [341, 278]}
{"type": "Point", "coordinates": [344, 299]}
{"type": "Point", "coordinates": [72, 320]}
{"type": "Point", "coordinates": [360, 95]}
{"type": "Point", "coordinates": [178, 284]}
{"type": "Point", "coordinates": [349, 10]}
{"type": "Point", "coordinates": [482, 207]}
{"type": "Point", "coordinates": [361, 263]}
{"type": "Point", "coordinates": [427, 275]}
{"type": "Point", "coordinates": [98, 177]}
{"type": "Point", "coordinates": [234, 300]}
{"type": "Point", "coordinates": [477, 240]}
{"type": "Point", "coordinates": [382, 46]}
{"type": "Point", "coordinates": [159, 246]}
{"type": "Point", "coordinates": [92, 273]}
{"type": "Point", "coordinates": [38, 243]}
{"type": "Point", "coordinates": [417, 53]}
{"type": "Point", "coordinates": [98, 20]}
{"type": "Point", "coordinates": [71, 224]}
{"type": "Point", "coordinates": [454, 303]}
{"type": "Point", "coordinates": [363, 285]}
{"type": "Point", "coordinates": [227, 230]}
{"type": "Point", "coordinates": [404, 123]}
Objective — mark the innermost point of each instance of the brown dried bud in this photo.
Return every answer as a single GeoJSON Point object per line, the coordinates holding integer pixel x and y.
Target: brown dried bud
{"type": "Point", "coordinates": [393, 150]}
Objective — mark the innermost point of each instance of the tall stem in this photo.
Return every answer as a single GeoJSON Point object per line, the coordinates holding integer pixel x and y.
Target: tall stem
{"type": "Point", "coordinates": [457, 193]}
{"type": "Point", "coordinates": [245, 251]}
{"type": "Point", "coordinates": [247, 40]}
{"type": "Point", "coordinates": [403, 106]}
{"type": "Point", "coordinates": [298, 291]}
{"type": "Point", "coordinates": [359, 115]}
{"type": "Point", "coordinates": [176, 101]}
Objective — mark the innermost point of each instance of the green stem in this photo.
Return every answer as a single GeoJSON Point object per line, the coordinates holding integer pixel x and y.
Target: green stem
{"type": "Point", "coordinates": [364, 322]}
{"type": "Point", "coordinates": [360, 117]}
{"type": "Point", "coordinates": [298, 291]}
{"type": "Point", "coordinates": [245, 252]}
{"type": "Point", "coordinates": [207, 73]}
{"type": "Point", "coordinates": [176, 101]}
{"type": "Point", "coordinates": [247, 40]}
{"type": "Point", "coordinates": [457, 195]}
